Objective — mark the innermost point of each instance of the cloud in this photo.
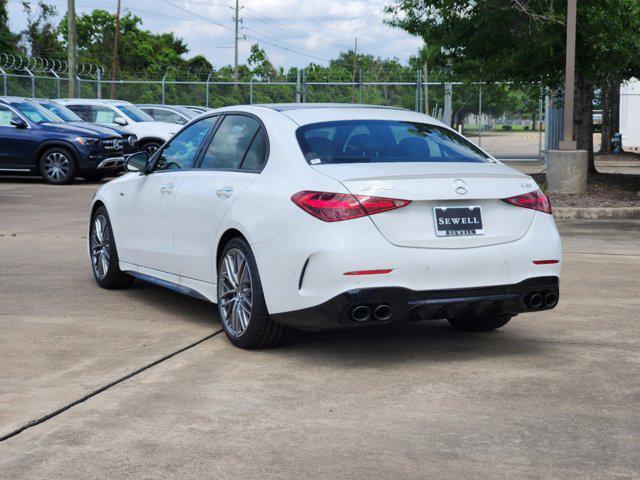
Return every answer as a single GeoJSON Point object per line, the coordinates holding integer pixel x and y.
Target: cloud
{"type": "Point", "coordinates": [293, 32]}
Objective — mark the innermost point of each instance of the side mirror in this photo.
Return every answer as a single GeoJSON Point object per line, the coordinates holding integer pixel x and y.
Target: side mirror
{"type": "Point", "coordinates": [120, 121]}
{"type": "Point", "coordinates": [18, 122]}
{"type": "Point", "coordinates": [137, 162]}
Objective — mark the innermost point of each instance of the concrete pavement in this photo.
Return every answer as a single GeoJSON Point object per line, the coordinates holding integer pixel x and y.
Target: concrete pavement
{"type": "Point", "coordinates": [551, 395]}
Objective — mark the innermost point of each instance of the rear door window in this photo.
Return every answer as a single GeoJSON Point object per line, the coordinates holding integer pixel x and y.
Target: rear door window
{"type": "Point", "coordinates": [230, 143]}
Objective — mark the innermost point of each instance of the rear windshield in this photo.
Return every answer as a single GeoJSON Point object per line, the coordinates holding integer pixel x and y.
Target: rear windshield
{"type": "Point", "coordinates": [369, 141]}
{"type": "Point", "coordinates": [134, 113]}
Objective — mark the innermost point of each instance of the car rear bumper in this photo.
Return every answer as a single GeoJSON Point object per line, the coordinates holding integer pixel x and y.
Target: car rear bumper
{"type": "Point", "coordinates": [401, 304]}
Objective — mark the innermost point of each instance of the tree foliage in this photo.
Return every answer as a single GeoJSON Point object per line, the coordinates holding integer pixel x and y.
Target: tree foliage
{"type": "Point", "coordinates": [8, 40]}
{"type": "Point", "coordinates": [524, 41]}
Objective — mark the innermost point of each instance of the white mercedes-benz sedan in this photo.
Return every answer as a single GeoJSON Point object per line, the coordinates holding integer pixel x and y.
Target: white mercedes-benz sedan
{"type": "Point", "coordinates": [328, 216]}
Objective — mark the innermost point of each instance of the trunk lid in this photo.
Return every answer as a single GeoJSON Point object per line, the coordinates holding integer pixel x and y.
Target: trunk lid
{"type": "Point", "coordinates": [431, 185]}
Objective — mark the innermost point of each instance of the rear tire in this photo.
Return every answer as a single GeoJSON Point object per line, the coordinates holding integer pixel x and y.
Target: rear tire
{"type": "Point", "coordinates": [241, 305]}
{"type": "Point", "coordinates": [104, 254]}
{"type": "Point", "coordinates": [150, 147]}
{"type": "Point", "coordinates": [57, 166]}
{"type": "Point", "coordinates": [479, 324]}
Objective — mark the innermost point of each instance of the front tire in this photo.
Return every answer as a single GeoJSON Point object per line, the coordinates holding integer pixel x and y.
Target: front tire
{"type": "Point", "coordinates": [241, 304]}
{"type": "Point", "coordinates": [479, 324]}
{"type": "Point", "coordinates": [104, 254]}
{"type": "Point", "coordinates": [57, 166]}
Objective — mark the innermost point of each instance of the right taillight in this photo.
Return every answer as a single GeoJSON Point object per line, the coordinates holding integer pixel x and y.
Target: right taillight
{"type": "Point", "coordinates": [536, 200]}
{"type": "Point", "coordinates": [336, 207]}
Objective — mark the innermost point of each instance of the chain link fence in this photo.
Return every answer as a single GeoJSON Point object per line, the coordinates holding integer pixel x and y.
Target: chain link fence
{"type": "Point", "coordinates": [506, 120]}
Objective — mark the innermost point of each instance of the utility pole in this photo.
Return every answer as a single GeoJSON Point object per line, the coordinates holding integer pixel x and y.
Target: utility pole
{"type": "Point", "coordinates": [71, 47]}
{"type": "Point", "coordinates": [116, 65]}
{"type": "Point", "coordinates": [567, 142]}
{"type": "Point", "coordinates": [235, 51]}
{"type": "Point", "coordinates": [355, 62]}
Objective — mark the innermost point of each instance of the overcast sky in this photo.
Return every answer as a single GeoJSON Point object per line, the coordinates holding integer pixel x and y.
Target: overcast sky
{"type": "Point", "coordinates": [299, 31]}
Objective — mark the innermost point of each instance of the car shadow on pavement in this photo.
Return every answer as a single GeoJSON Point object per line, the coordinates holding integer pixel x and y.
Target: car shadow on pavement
{"type": "Point", "coordinates": [182, 307]}
{"type": "Point", "coordinates": [426, 341]}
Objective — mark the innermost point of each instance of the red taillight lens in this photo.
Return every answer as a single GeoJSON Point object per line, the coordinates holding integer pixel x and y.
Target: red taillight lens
{"type": "Point", "coordinates": [335, 207]}
{"type": "Point", "coordinates": [536, 200]}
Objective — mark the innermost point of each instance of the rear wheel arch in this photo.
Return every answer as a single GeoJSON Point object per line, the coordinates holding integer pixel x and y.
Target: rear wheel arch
{"type": "Point", "coordinates": [224, 239]}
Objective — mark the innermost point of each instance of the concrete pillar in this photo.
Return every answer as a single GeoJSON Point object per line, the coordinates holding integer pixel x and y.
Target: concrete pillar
{"type": "Point", "coordinates": [567, 171]}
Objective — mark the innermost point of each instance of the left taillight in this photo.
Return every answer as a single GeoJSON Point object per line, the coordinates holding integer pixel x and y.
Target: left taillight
{"type": "Point", "coordinates": [336, 207]}
{"type": "Point", "coordinates": [536, 200]}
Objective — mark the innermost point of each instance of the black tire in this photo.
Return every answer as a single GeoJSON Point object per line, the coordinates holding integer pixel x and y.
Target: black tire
{"type": "Point", "coordinates": [151, 146]}
{"type": "Point", "coordinates": [113, 278]}
{"type": "Point", "coordinates": [261, 331]}
{"type": "Point", "coordinates": [479, 324]}
{"type": "Point", "coordinates": [57, 166]}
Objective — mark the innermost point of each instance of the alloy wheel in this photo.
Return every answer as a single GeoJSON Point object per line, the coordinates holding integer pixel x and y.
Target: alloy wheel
{"type": "Point", "coordinates": [235, 292]}
{"type": "Point", "coordinates": [100, 245]}
{"type": "Point", "coordinates": [57, 166]}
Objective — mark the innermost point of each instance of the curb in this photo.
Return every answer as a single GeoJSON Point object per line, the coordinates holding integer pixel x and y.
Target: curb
{"type": "Point", "coordinates": [597, 213]}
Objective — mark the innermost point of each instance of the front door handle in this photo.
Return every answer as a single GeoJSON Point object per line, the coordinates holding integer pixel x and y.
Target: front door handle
{"type": "Point", "coordinates": [167, 188]}
{"type": "Point", "coordinates": [224, 192]}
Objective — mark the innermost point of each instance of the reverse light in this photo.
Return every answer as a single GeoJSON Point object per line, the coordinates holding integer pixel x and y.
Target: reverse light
{"type": "Point", "coordinates": [536, 200]}
{"type": "Point", "coordinates": [336, 207]}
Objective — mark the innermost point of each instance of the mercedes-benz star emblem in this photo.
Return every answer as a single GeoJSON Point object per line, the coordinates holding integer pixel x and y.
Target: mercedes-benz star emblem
{"type": "Point", "coordinates": [461, 186]}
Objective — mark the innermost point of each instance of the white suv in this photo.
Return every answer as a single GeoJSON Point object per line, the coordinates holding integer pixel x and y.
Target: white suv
{"type": "Point", "coordinates": [151, 134]}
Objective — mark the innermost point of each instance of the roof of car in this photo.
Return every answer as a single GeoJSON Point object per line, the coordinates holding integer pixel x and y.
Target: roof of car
{"type": "Point", "coordinates": [285, 107]}
{"type": "Point", "coordinates": [94, 101]}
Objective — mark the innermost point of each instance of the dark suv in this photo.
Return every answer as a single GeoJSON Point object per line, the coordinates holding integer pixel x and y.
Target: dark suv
{"type": "Point", "coordinates": [33, 140]}
{"type": "Point", "coordinates": [69, 116]}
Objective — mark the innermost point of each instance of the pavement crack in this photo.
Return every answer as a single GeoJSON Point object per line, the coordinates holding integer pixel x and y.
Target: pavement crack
{"type": "Point", "coordinates": [86, 397]}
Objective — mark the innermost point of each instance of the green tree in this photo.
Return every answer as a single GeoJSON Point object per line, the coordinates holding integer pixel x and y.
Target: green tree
{"type": "Point", "coordinates": [41, 36]}
{"type": "Point", "coordinates": [524, 41]}
{"type": "Point", "coordinates": [8, 40]}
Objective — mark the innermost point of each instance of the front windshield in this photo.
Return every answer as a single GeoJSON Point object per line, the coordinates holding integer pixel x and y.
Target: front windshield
{"type": "Point", "coordinates": [134, 113]}
{"type": "Point", "coordinates": [63, 112]}
{"type": "Point", "coordinates": [36, 113]}
{"type": "Point", "coordinates": [388, 141]}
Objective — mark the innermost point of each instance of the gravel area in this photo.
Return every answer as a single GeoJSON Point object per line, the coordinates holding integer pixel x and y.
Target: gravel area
{"type": "Point", "coordinates": [603, 190]}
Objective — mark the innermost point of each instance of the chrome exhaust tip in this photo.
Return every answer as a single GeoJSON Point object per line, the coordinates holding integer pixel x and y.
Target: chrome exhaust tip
{"type": "Point", "coordinates": [535, 300]}
{"type": "Point", "coordinates": [383, 312]}
{"type": "Point", "coordinates": [550, 299]}
{"type": "Point", "coordinates": [361, 313]}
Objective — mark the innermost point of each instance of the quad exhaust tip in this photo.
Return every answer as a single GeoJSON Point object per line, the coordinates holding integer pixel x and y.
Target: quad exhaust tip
{"type": "Point", "coordinates": [361, 313]}
{"type": "Point", "coordinates": [383, 312]}
{"type": "Point", "coordinates": [550, 299]}
{"type": "Point", "coordinates": [535, 300]}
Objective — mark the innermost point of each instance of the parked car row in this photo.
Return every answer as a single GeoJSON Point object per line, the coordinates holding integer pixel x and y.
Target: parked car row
{"type": "Point", "coordinates": [64, 138]}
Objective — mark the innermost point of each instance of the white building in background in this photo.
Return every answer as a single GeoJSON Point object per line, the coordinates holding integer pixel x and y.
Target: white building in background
{"type": "Point", "coordinates": [630, 114]}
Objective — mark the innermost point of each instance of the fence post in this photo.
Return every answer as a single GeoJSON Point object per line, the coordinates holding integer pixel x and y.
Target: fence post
{"type": "Point", "coordinates": [480, 114]}
{"type": "Point", "coordinates": [418, 92]}
{"type": "Point", "coordinates": [540, 125]}
{"type": "Point", "coordinates": [4, 80]}
{"type": "Point", "coordinates": [251, 90]}
{"type": "Point", "coordinates": [163, 79]}
{"type": "Point", "coordinates": [360, 85]}
{"type": "Point", "coordinates": [206, 93]}
{"type": "Point", "coordinates": [33, 82]}
{"type": "Point", "coordinates": [79, 89]}
{"type": "Point", "coordinates": [304, 85]}
{"type": "Point", "coordinates": [99, 78]}
{"type": "Point", "coordinates": [53, 72]}
{"type": "Point", "coordinates": [298, 86]}
{"type": "Point", "coordinates": [446, 114]}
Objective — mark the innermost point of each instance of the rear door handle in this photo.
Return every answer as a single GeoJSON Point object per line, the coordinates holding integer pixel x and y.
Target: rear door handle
{"type": "Point", "coordinates": [167, 188]}
{"type": "Point", "coordinates": [224, 192]}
